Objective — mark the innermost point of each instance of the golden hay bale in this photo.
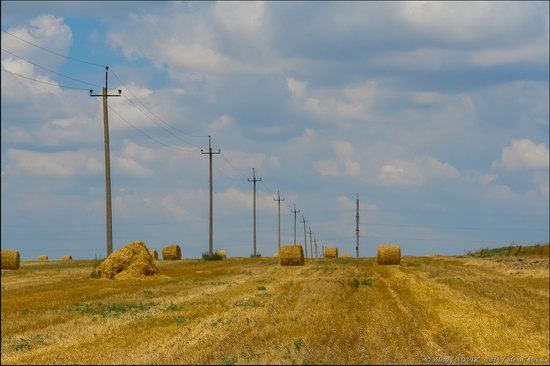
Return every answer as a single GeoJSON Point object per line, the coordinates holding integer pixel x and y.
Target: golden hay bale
{"type": "Point", "coordinates": [67, 258]}
{"type": "Point", "coordinates": [291, 255]}
{"type": "Point", "coordinates": [388, 254]}
{"type": "Point", "coordinates": [10, 259]}
{"type": "Point", "coordinates": [331, 252]}
{"type": "Point", "coordinates": [171, 252]}
{"type": "Point", "coordinates": [222, 253]}
{"type": "Point", "coordinates": [133, 261]}
{"type": "Point", "coordinates": [276, 255]}
{"type": "Point", "coordinates": [345, 255]}
{"type": "Point", "coordinates": [154, 254]}
{"type": "Point", "coordinates": [42, 257]}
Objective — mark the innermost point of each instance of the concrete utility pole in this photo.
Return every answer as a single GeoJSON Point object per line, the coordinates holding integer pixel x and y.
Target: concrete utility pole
{"type": "Point", "coordinates": [310, 242]}
{"type": "Point", "coordinates": [108, 207]}
{"type": "Point", "coordinates": [211, 224]}
{"type": "Point", "coordinates": [305, 237]}
{"type": "Point", "coordinates": [279, 199]}
{"type": "Point", "coordinates": [254, 180]}
{"type": "Point", "coordinates": [357, 227]}
{"type": "Point", "coordinates": [294, 212]}
{"type": "Point", "coordinates": [316, 251]}
{"type": "Point", "coordinates": [323, 251]}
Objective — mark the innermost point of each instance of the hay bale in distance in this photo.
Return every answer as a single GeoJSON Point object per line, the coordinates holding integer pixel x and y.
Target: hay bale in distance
{"type": "Point", "coordinates": [222, 253]}
{"type": "Point", "coordinates": [171, 252]}
{"type": "Point", "coordinates": [345, 255]}
{"type": "Point", "coordinates": [331, 252]}
{"type": "Point", "coordinates": [388, 254]}
{"type": "Point", "coordinates": [154, 254]}
{"type": "Point", "coordinates": [276, 255]}
{"type": "Point", "coordinates": [42, 257]}
{"type": "Point", "coordinates": [10, 259]}
{"type": "Point", "coordinates": [291, 255]}
{"type": "Point", "coordinates": [67, 258]}
{"type": "Point", "coordinates": [133, 261]}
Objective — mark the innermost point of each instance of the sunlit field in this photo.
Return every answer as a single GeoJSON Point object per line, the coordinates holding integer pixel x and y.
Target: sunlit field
{"type": "Point", "coordinates": [253, 311]}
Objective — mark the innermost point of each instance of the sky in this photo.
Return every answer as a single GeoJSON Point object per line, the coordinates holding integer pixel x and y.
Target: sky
{"type": "Point", "coordinates": [435, 113]}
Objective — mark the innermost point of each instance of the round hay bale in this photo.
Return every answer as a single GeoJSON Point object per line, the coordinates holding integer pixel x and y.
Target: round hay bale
{"type": "Point", "coordinates": [42, 257]}
{"type": "Point", "coordinates": [222, 253]}
{"type": "Point", "coordinates": [10, 259]}
{"type": "Point", "coordinates": [345, 255]}
{"type": "Point", "coordinates": [291, 255]}
{"type": "Point", "coordinates": [154, 254]}
{"type": "Point", "coordinates": [133, 261]}
{"type": "Point", "coordinates": [171, 252]}
{"type": "Point", "coordinates": [276, 255]}
{"type": "Point", "coordinates": [67, 258]}
{"type": "Point", "coordinates": [388, 254]}
{"type": "Point", "coordinates": [331, 252]}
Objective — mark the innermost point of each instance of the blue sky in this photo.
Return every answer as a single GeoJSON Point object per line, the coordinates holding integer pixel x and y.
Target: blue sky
{"type": "Point", "coordinates": [436, 113]}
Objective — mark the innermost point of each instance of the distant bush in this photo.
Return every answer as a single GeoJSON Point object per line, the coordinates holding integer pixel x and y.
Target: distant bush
{"type": "Point", "coordinates": [538, 250]}
{"type": "Point", "coordinates": [211, 257]}
{"type": "Point", "coordinates": [255, 255]}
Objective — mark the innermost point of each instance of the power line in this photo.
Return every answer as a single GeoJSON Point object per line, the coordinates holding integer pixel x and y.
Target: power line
{"type": "Point", "coordinates": [50, 70]}
{"type": "Point", "coordinates": [153, 114]}
{"type": "Point", "coordinates": [43, 82]}
{"type": "Point", "coordinates": [53, 52]}
{"type": "Point", "coordinates": [188, 149]}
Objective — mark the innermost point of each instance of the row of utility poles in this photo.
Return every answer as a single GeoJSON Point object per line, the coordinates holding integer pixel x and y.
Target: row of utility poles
{"type": "Point", "coordinates": [108, 207]}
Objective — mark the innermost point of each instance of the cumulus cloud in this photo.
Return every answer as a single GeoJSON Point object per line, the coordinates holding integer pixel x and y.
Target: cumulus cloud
{"type": "Point", "coordinates": [419, 171]}
{"type": "Point", "coordinates": [523, 154]}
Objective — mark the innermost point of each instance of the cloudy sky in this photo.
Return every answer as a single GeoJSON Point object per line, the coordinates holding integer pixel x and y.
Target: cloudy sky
{"type": "Point", "coordinates": [435, 113]}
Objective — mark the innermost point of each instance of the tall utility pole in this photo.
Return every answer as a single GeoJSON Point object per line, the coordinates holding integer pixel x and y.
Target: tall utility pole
{"type": "Point", "coordinates": [295, 212]}
{"type": "Point", "coordinates": [305, 237]}
{"type": "Point", "coordinates": [254, 180]}
{"type": "Point", "coordinates": [210, 224]}
{"type": "Point", "coordinates": [315, 241]}
{"type": "Point", "coordinates": [310, 242]}
{"type": "Point", "coordinates": [108, 207]}
{"type": "Point", "coordinates": [357, 227]}
{"type": "Point", "coordinates": [279, 199]}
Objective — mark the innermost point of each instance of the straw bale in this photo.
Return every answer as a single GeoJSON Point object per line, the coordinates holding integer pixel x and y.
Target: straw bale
{"type": "Point", "coordinates": [10, 259]}
{"type": "Point", "coordinates": [345, 255]}
{"type": "Point", "coordinates": [331, 252]}
{"type": "Point", "coordinates": [154, 254]}
{"type": "Point", "coordinates": [291, 255]}
{"type": "Point", "coordinates": [276, 255]}
{"type": "Point", "coordinates": [42, 257]}
{"type": "Point", "coordinates": [388, 254]}
{"type": "Point", "coordinates": [222, 253]}
{"type": "Point", "coordinates": [133, 261]}
{"type": "Point", "coordinates": [67, 258]}
{"type": "Point", "coordinates": [171, 252]}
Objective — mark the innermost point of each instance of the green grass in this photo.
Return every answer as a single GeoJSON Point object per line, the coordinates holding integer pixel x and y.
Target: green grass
{"type": "Point", "coordinates": [538, 250]}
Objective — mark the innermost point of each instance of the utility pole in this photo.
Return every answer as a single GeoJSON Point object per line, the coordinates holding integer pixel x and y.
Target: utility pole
{"type": "Point", "coordinates": [294, 212]}
{"type": "Point", "coordinates": [305, 237]}
{"type": "Point", "coordinates": [279, 199]}
{"type": "Point", "coordinates": [310, 242]}
{"type": "Point", "coordinates": [108, 207]}
{"type": "Point", "coordinates": [211, 224]}
{"type": "Point", "coordinates": [323, 251]}
{"type": "Point", "coordinates": [254, 180]}
{"type": "Point", "coordinates": [316, 251]}
{"type": "Point", "coordinates": [357, 227]}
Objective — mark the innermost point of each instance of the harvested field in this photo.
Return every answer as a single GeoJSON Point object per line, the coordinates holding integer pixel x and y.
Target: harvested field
{"type": "Point", "coordinates": [254, 311]}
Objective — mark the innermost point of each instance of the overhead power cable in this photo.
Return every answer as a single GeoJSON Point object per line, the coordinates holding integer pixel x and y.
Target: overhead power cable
{"type": "Point", "coordinates": [53, 52]}
{"type": "Point", "coordinates": [43, 82]}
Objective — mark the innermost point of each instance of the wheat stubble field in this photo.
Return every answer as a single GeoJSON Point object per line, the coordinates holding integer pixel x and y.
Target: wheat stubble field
{"type": "Point", "coordinates": [253, 311]}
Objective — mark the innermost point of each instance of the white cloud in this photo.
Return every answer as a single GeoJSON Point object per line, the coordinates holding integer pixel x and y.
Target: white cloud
{"type": "Point", "coordinates": [419, 171]}
{"type": "Point", "coordinates": [426, 97]}
{"type": "Point", "coordinates": [222, 123]}
{"type": "Point", "coordinates": [523, 154]}
{"type": "Point", "coordinates": [296, 87]}
{"type": "Point", "coordinates": [487, 178]}
{"type": "Point", "coordinates": [326, 168]}
{"type": "Point", "coordinates": [59, 164]}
